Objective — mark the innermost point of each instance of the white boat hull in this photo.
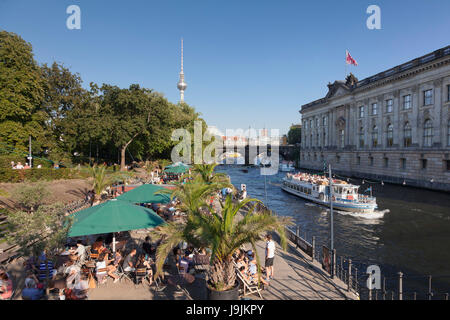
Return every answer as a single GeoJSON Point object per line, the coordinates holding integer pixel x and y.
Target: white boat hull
{"type": "Point", "coordinates": [350, 207]}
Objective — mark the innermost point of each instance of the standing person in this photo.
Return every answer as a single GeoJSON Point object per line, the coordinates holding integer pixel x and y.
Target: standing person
{"type": "Point", "coordinates": [270, 254]}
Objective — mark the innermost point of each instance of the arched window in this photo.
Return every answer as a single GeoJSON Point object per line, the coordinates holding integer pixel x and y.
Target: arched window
{"type": "Point", "coordinates": [324, 137]}
{"type": "Point", "coordinates": [390, 135]}
{"type": "Point", "coordinates": [361, 137]}
{"type": "Point", "coordinates": [342, 138]}
{"type": "Point", "coordinates": [407, 135]}
{"type": "Point", "coordinates": [428, 133]}
{"type": "Point", "coordinates": [375, 136]}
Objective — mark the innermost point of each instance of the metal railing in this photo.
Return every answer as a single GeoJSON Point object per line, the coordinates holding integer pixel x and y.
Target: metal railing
{"type": "Point", "coordinates": [343, 268]}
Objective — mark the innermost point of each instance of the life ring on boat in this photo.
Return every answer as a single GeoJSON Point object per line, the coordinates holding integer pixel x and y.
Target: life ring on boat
{"type": "Point", "coordinates": [321, 196]}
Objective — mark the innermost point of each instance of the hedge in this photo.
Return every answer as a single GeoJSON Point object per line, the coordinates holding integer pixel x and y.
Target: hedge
{"type": "Point", "coordinates": [5, 161]}
{"type": "Point", "coordinates": [47, 174]}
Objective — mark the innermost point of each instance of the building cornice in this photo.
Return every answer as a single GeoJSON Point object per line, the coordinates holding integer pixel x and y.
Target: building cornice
{"type": "Point", "coordinates": [404, 71]}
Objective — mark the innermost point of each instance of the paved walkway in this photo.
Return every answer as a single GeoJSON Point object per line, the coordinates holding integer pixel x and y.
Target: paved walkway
{"type": "Point", "coordinates": [296, 278]}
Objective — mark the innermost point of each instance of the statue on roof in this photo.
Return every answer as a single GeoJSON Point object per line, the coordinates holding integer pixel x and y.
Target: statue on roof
{"type": "Point", "coordinates": [351, 80]}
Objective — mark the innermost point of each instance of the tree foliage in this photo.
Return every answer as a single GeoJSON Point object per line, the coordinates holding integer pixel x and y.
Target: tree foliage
{"type": "Point", "coordinates": [295, 135]}
{"type": "Point", "coordinates": [70, 124]}
{"type": "Point", "coordinates": [21, 92]}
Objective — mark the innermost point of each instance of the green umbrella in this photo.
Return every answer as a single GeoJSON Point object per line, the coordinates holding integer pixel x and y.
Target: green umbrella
{"type": "Point", "coordinates": [177, 170]}
{"type": "Point", "coordinates": [113, 216]}
{"type": "Point", "coordinates": [145, 194]}
{"type": "Point", "coordinates": [177, 164]}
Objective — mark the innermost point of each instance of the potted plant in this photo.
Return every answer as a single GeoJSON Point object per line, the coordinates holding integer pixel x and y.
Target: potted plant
{"type": "Point", "coordinates": [223, 232]}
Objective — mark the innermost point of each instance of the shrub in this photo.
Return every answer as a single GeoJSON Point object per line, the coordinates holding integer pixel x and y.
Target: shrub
{"type": "Point", "coordinates": [46, 174]}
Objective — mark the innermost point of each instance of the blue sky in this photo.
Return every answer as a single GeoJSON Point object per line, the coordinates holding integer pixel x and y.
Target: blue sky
{"type": "Point", "coordinates": [247, 63]}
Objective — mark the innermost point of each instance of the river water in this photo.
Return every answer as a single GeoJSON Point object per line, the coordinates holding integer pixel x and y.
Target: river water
{"type": "Point", "coordinates": [410, 231]}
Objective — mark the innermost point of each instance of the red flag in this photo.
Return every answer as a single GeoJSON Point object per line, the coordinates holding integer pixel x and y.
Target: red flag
{"type": "Point", "coordinates": [349, 59]}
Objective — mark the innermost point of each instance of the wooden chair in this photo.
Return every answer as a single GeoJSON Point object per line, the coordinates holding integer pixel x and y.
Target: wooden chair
{"type": "Point", "coordinates": [102, 276]}
{"type": "Point", "coordinates": [248, 288]}
{"type": "Point", "coordinates": [140, 275]}
{"type": "Point", "coordinates": [201, 263]}
{"type": "Point", "coordinates": [93, 256]}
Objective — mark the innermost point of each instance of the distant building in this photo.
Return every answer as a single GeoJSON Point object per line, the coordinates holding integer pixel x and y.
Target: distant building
{"type": "Point", "coordinates": [393, 126]}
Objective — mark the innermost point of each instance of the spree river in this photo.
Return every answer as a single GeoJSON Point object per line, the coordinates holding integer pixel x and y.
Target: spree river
{"type": "Point", "coordinates": [410, 231]}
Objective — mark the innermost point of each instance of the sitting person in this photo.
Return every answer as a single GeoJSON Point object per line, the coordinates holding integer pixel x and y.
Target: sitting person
{"type": "Point", "coordinates": [81, 287]}
{"type": "Point", "coordinates": [201, 257]}
{"type": "Point", "coordinates": [30, 292]}
{"type": "Point", "coordinates": [97, 246]}
{"type": "Point", "coordinates": [252, 271]}
{"type": "Point", "coordinates": [80, 252]}
{"type": "Point", "coordinates": [117, 258]}
{"type": "Point", "coordinates": [111, 267]}
{"type": "Point", "coordinates": [6, 286]}
{"type": "Point", "coordinates": [128, 265]}
{"type": "Point", "coordinates": [46, 268]}
{"type": "Point", "coordinates": [71, 268]}
{"type": "Point", "coordinates": [102, 269]}
{"type": "Point", "coordinates": [32, 279]}
{"type": "Point", "coordinates": [144, 263]}
{"type": "Point", "coordinates": [241, 260]}
{"type": "Point", "coordinates": [184, 263]}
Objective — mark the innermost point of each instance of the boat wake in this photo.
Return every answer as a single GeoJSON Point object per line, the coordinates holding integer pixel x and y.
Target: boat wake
{"type": "Point", "coordinates": [309, 204]}
{"type": "Point", "coordinates": [369, 216]}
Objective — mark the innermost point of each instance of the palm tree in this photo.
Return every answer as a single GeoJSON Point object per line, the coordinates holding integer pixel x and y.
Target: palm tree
{"type": "Point", "coordinates": [103, 179]}
{"type": "Point", "coordinates": [223, 232]}
{"type": "Point", "coordinates": [194, 194]}
{"type": "Point", "coordinates": [100, 181]}
{"type": "Point", "coordinates": [206, 171]}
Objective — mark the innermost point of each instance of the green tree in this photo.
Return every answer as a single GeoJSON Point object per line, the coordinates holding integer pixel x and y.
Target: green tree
{"type": "Point", "coordinates": [30, 197]}
{"type": "Point", "coordinates": [45, 229]}
{"type": "Point", "coordinates": [295, 135]}
{"type": "Point", "coordinates": [63, 93]}
{"type": "Point", "coordinates": [21, 93]}
{"type": "Point", "coordinates": [129, 113]}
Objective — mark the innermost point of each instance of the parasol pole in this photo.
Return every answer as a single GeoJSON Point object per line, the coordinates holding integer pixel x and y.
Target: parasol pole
{"type": "Point", "coordinates": [114, 242]}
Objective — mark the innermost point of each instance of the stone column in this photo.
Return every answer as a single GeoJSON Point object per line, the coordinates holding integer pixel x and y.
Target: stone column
{"type": "Point", "coordinates": [382, 122]}
{"type": "Point", "coordinates": [398, 126]}
{"type": "Point", "coordinates": [439, 125]}
{"type": "Point", "coordinates": [367, 126]}
{"type": "Point", "coordinates": [416, 125]}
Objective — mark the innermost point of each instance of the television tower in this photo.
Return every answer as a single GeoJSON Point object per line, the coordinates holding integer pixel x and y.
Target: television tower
{"type": "Point", "coordinates": [181, 84]}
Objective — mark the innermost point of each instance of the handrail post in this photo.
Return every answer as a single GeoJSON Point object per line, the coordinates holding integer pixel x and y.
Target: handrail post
{"type": "Point", "coordinates": [349, 282]}
{"type": "Point", "coordinates": [384, 288]}
{"type": "Point", "coordinates": [400, 286]}
{"type": "Point", "coordinates": [333, 264]}
{"type": "Point", "coordinates": [313, 248]}
{"type": "Point", "coordinates": [446, 296]}
{"type": "Point", "coordinates": [430, 293]}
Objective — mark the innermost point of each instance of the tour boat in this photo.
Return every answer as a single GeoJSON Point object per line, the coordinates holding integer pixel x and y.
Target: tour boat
{"type": "Point", "coordinates": [287, 167]}
{"type": "Point", "coordinates": [316, 188]}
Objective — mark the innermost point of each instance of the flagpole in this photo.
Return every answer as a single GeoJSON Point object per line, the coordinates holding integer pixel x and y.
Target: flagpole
{"type": "Point", "coordinates": [345, 74]}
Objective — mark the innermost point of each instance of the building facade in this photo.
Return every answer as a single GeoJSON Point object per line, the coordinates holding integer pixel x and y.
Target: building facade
{"type": "Point", "coordinates": [393, 126]}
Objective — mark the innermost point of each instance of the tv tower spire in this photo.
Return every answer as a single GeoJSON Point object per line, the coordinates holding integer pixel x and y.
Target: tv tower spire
{"type": "Point", "coordinates": [181, 84]}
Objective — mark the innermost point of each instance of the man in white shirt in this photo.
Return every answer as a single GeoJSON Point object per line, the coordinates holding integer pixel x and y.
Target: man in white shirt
{"type": "Point", "coordinates": [270, 254]}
